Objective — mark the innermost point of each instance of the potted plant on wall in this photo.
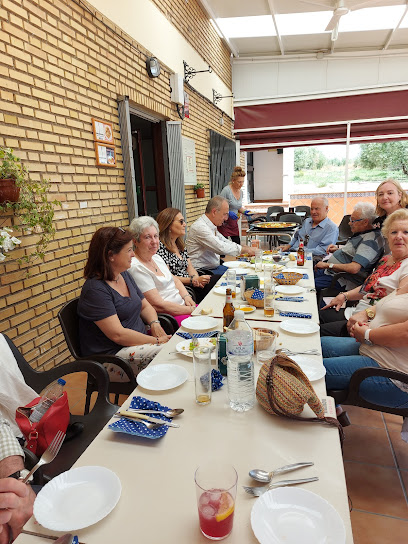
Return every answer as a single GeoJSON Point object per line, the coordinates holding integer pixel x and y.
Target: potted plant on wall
{"type": "Point", "coordinates": [199, 189]}
{"type": "Point", "coordinates": [29, 202]}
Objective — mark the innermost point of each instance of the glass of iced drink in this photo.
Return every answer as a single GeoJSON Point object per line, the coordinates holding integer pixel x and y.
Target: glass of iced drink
{"type": "Point", "coordinates": [216, 488]}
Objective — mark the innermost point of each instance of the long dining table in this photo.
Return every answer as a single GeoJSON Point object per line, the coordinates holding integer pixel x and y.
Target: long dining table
{"type": "Point", "coordinates": [158, 501]}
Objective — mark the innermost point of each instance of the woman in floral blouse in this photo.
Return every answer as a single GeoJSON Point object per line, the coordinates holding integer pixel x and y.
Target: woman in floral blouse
{"type": "Point", "coordinates": [173, 252]}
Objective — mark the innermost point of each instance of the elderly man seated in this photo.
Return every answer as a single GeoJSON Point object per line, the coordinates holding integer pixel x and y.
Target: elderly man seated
{"type": "Point", "coordinates": [358, 256]}
{"type": "Point", "coordinates": [205, 244]}
{"type": "Point", "coordinates": [317, 231]}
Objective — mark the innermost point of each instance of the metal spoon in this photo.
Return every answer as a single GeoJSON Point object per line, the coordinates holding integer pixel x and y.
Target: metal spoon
{"type": "Point", "coordinates": [167, 413]}
{"type": "Point", "coordinates": [266, 477]}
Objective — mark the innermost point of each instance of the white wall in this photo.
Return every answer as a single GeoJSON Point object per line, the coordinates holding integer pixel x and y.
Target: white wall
{"type": "Point", "coordinates": [267, 80]}
{"type": "Point", "coordinates": [144, 22]}
{"type": "Point", "coordinates": [268, 175]}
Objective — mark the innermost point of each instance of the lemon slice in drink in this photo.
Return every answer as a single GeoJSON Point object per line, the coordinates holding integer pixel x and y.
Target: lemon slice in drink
{"type": "Point", "coordinates": [226, 507]}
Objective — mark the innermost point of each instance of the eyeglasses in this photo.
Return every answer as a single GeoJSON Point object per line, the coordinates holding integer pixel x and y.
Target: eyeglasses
{"type": "Point", "coordinates": [356, 220]}
{"type": "Point", "coordinates": [181, 221]}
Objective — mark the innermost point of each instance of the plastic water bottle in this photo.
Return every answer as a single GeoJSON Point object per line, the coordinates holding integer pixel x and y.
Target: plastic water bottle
{"type": "Point", "coordinates": [240, 367]}
{"type": "Point", "coordinates": [53, 392]}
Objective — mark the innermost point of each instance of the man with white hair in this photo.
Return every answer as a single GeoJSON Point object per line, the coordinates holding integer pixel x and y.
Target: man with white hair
{"type": "Point", "coordinates": [317, 231]}
{"type": "Point", "coordinates": [358, 256]}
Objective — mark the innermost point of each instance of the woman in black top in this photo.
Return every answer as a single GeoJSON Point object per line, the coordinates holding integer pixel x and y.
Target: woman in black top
{"type": "Point", "coordinates": [172, 229]}
{"type": "Point", "coordinates": [390, 197]}
{"type": "Point", "coordinates": [112, 310]}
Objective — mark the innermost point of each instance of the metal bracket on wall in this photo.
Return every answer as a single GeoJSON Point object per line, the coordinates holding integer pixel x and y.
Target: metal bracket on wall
{"type": "Point", "coordinates": [190, 72]}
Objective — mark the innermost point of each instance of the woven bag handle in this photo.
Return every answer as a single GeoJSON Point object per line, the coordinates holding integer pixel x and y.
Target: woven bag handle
{"type": "Point", "coordinates": [270, 388]}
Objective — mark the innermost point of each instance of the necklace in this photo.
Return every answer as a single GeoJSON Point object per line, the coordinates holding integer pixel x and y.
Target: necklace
{"type": "Point", "coordinates": [116, 279]}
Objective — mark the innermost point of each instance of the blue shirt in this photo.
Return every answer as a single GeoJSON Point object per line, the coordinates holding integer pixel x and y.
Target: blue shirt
{"type": "Point", "coordinates": [320, 236]}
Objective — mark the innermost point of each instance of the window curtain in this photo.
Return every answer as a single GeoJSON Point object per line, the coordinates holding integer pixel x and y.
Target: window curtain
{"type": "Point", "coordinates": [222, 161]}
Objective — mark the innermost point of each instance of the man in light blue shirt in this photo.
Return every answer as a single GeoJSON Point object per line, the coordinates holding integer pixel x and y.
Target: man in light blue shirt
{"type": "Point", "coordinates": [317, 231]}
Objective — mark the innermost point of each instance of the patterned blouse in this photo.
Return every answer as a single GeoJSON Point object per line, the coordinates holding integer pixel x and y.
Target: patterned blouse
{"type": "Point", "coordinates": [177, 266]}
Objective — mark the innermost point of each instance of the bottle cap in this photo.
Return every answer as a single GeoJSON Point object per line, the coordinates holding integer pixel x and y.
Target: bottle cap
{"type": "Point", "coordinates": [239, 314]}
{"type": "Point", "coordinates": [61, 381]}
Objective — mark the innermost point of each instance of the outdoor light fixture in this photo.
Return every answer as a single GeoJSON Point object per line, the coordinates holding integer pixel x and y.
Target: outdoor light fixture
{"type": "Point", "coordinates": [190, 72]}
{"type": "Point", "coordinates": [153, 67]}
{"type": "Point", "coordinates": [217, 97]}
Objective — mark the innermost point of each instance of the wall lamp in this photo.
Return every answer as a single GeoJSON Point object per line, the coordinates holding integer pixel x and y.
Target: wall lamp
{"type": "Point", "coordinates": [217, 97]}
{"type": "Point", "coordinates": [190, 72]}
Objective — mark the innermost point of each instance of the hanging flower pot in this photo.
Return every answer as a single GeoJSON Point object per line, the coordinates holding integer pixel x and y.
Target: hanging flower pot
{"type": "Point", "coordinates": [9, 192]}
{"type": "Point", "coordinates": [200, 190]}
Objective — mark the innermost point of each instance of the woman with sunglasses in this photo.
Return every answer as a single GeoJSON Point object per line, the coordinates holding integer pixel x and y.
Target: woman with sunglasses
{"type": "Point", "coordinates": [113, 313]}
{"type": "Point", "coordinates": [172, 229]}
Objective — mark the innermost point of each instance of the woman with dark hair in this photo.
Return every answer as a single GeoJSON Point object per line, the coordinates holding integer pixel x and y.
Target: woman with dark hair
{"type": "Point", "coordinates": [233, 193]}
{"type": "Point", "coordinates": [112, 310]}
{"type": "Point", "coordinates": [172, 229]}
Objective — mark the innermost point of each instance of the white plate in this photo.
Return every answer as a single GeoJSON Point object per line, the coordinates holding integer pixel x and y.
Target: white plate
{"type": "Point", "coordinates": [296, 516]}
{"type": "Point", "coordinates": [297, 326]}
{"type": "Point", "coordinates": [290, 289]}
{"type": "Point", "coordinates": [199, 323]}
{"type": "Point", "coordinates": [221, 290]}
{"type": "Point", "coordinates": [235, 264]}
{"type": "Point", "coordinates": [313, 368]}
{"type": "Point", "coordinates": [253, 308]}
{"type": "Point", "coordinates": [184, 347]}
{"type": "Point", "coordinates": [162, 377]}
{"type": "Point", "coordinates": [77, 498]}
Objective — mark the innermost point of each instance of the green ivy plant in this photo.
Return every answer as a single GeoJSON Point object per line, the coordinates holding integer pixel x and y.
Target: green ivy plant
{"type": "Point", "coordinates": [34, 211]}
{"type": "Point", "coordinates": [198, 186]}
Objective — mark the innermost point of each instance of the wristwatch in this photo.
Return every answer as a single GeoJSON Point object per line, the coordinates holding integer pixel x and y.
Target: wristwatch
{"type": "Point", "coordinates": [21, 474]}
{"type": "Point", "coordinates": [331, 265]}
{"type": "Point", "coordinates": [370, 313]}
{"type": "Point", "coordinates": [367, 338]}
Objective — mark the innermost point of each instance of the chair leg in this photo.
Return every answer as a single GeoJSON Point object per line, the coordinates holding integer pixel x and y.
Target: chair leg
{"type": "Point", "coordinates": [90, 388]}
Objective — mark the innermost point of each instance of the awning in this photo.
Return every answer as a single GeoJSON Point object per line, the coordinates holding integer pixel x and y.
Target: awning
{"type": "Point", "coordinates": [379, 116]}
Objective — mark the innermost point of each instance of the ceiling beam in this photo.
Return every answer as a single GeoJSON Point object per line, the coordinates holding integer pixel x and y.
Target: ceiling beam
{"type": "Point", "coordinates": [279, 37]}
{"type": "Point", "coordinates": [211, 15]}
{"type": "Point", "coordinates": [392, 32]}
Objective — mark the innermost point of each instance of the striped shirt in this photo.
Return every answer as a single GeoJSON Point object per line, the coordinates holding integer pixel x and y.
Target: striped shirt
{"type": "Point", "coordinates": [364, 248]}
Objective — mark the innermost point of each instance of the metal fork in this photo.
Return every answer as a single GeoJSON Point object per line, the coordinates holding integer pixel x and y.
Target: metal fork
{"type": "Point", "coordinates": [305, 352]}
{"type": "Point", "coordinates": [258, 491]}
{"type": "Point", "coordinates": [49, 454]}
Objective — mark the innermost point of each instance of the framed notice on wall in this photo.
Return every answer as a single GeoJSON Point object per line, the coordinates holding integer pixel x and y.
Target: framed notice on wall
{"type": "Point", "coordinates": [105, 155]}
{"type": "Point", "coordinates": [103, 132]}
{"type": "Point", "coordinates": [189, 161]}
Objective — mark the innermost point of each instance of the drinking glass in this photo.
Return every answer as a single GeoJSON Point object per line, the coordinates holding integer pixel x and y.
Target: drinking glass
{"type": "Point", "coordinates": [202, 374]}
{"type": "Point", "coordinates": [255, 243]}
{"type": "Point", "coordinates": [265, 344]}
{"type": "Point", "coordinates": [216, 488]}
{"type": "Point", "coordinates": [258, 260]}
{"type": "Point", "coordinates": [269, 299]}
{"type": "Point", "coordinates": [268, 272]}
{"type": "Point", "coordinates": [232, 282]}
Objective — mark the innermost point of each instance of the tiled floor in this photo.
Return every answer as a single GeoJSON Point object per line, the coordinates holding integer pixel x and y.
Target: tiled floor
{"type": "Point", "coordinates": [376, 466]}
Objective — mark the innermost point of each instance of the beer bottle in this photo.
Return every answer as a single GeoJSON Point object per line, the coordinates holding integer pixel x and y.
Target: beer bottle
{"type": "Point", "coordinates": [301, 254]}
{"type": "Point", "coordinates": [228, 311]}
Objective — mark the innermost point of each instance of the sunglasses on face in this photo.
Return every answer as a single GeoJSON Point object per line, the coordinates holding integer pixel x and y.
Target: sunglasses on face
{"type": "Point", "coordinates": [181, 221]}
{"type": "Point", "coordinates": [355, 220]}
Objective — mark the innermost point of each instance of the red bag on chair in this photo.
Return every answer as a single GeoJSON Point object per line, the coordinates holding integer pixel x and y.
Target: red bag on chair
{"type": "Point", "coordinates": [39, 435]}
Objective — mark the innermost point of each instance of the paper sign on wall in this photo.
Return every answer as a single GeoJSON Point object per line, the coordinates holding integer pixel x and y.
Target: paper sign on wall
{"type": "Point", "coordinates": [189, 161]}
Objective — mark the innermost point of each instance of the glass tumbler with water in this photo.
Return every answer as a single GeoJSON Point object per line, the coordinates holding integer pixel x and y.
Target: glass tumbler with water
{"type": "Point", "coordinates": [240, 348]}
{"type": "Point", "coordinates": [258, 260]}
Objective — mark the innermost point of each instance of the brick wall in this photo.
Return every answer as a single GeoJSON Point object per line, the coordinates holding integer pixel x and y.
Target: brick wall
{"type": "Point", "coordinates": [60, 65]}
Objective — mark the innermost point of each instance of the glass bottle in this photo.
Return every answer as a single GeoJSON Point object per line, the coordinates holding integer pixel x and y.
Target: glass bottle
{"type": "Point", "coordinates": [301, 254]}
{"type": "Point", "coordinates": [228, 311]}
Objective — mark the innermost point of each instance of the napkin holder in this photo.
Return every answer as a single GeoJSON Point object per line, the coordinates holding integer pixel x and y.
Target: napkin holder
{"type": "Point", "coordinates": [251, 282]}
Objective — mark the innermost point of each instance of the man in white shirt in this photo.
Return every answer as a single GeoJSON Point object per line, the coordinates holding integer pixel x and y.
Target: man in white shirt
{"type": "Point", "coordinates": [205, 244]}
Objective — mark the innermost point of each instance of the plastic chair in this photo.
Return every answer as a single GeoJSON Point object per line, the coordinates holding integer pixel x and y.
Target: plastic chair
{"type": "Point", "coordinates": [352, 396]}
{"type": "Point", "coordinates": [68, 318]}
{"type": "Point", "coordinates": [344, 230]}
{"type": "Point", "coordinates": [93, 421]}
{"type": "Point", "coordinates": [275, 210]}
{"type": "Point", "coordinates": [288, 218]}
{"type": "Point", "coordinates": [303, 209]}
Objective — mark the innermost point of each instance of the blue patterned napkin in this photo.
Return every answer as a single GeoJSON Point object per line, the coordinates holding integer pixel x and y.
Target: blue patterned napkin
{"type": "Point", "coordinates": [257, 294]}
{"type": "Point", "coordinates": [295, 314]}
{"type": "Point", "coordinates": [216, 380]}
{"type": "Point", "coordinates": [290, 299]}
{"type": "Point", "coordinates": [188, 336]}
{"type": "Point", "coordinates": [139, 429]}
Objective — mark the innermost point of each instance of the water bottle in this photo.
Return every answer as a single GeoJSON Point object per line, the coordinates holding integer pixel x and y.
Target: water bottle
{"type": "Point", "coordinates": [53, 392]}
{"type": "Point", "coordinates": [240, 367]}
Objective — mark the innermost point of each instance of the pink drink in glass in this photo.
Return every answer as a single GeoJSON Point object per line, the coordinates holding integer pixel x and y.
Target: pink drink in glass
{"type": "Point", "coordinates": [216, 513]}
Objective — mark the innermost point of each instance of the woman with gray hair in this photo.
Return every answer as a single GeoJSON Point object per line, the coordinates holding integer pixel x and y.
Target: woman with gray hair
{"type": "Point", "coordinates": [164, 291]}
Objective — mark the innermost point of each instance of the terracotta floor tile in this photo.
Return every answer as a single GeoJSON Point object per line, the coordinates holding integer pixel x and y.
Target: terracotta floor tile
{"type": "Point", "coordinates": [400, 448]}
{"type": "Point", "coordinates": [367, 445]}
{"type": "Point", "coordinates": [393, 422]}
{"type": "Point", "coordinates": [363, 416]}
{"type": "Point", "coordinates": [374, 529]}
{"type": "Point", "coordinates": [375, 489]}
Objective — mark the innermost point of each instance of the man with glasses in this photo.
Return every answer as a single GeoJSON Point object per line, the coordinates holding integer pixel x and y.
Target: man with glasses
{"type": "Point", "coordinates": [205, 244]}
{"type": "Point", "coordinates": [357, 257]}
